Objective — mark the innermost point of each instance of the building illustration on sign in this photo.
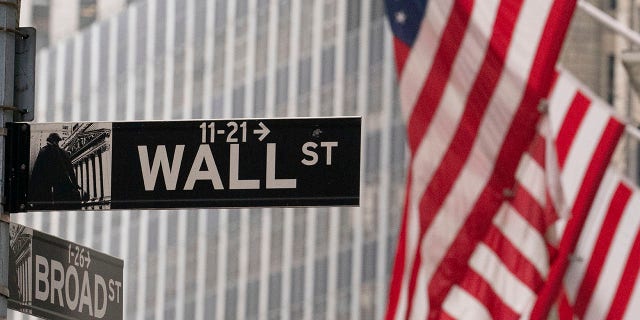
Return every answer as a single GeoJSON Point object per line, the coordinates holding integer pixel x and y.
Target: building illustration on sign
{"type": "Point", "coordinates": [20, 266]}
{"type": "Point", "coordinates": [69, 166]}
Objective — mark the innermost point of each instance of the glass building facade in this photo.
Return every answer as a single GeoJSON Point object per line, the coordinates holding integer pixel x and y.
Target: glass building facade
{"type": "Point", "coordinates": [190, 59]}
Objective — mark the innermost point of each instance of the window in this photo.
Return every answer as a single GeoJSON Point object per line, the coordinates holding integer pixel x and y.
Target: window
{"type": "Point", "coordinates": [277, 221]}
{"type": "Point", "coordinates": [282, 85]}
{"type": "Point", "coordinates": [154, 227]}
{"type": "Point", "coordinates": [344, 269]}
{"type": "Point", "coordinates": [161, 28]}
{"type": "Point", "coordinates": [297, 292]}
{"type": "Point", "coordinates": [611, 65]}
{"type": "Point", "coordinates": [88, 12]}
{"type": "Point", "coordinates": [241, 9]}
{"type": "Point", "coordinates": [320, 285]}
{"type": "Point", "coordinates": [238, 102]}
{"type": "Point", "coordinates": [328, 65]}
{"type": "Point", "coordinates": [253, 288]}
{"type": "Point", "coordinates": [275, 282]}
{"type": "Point", "coordinates": [351, 56]}
{"type": "Point", "coordinates": [322, 231]}
{"type": "Point", "coordinates": [121, 66]}
{"type": "Point", "coordinates": [376, 40]}
{"type": "Point", "coordinates": [353, 15]}
{"type": "Point", "coordinates": [369, 252]}
{"type": "Point", "coordinates": [103, 35]}
{"type": "Point", "coordinates": [210, 305]}
{"type": "Point", "coordinates": [304, 78]}
{"type": "Point", "coordinates": [231, 301]}
{"type": "Point", "coordinates": [41, 22]}
{"type": "Point", "coordinates": [221, 15]}
{"type": "Point", "coordinates": [372, 163]}
{"type": "Point", "coordinates": [51, 75]}
{"type": "Point", "coordinates": [260, 89]}
{"type": "Point", "coordinates": [377, 10]}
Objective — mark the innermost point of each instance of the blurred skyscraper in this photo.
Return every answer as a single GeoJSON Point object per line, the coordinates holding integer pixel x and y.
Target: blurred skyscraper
{"type": "Point", "coordinates": [173, 59]}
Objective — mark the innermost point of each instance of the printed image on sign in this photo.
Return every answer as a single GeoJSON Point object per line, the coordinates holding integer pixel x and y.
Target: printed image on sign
{"type": "Point", "coordinates": [203, 163]}
{"type": "Point", "coordinates": [69, 166]}
{"type": "Point", "coordinates": [56, 279]}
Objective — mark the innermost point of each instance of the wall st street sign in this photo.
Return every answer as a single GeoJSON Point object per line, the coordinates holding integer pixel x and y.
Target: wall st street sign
{"type": "Point", "coordinates": [56, 279]}
{"type": "Point", "coordinates": [184, 164]}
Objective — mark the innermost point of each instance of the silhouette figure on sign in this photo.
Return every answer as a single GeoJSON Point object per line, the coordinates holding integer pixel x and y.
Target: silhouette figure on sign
{"type": "Point", "coordinates": [53, 184]}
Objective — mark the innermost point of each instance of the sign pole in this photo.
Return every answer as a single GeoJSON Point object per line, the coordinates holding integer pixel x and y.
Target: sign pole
{"type": "Point", "coordinates": [8, 32]}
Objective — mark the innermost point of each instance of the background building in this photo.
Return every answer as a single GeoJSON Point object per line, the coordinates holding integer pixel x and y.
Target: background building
{"type": "Point", "coordinates": [169, 59]}
{"type": "Point", "coordinates": [107, 60]}
{"type": "Point", "coordinates": [593, 53]}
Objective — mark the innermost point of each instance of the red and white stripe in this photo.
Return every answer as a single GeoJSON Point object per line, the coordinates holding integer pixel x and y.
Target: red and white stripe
{"type": "Point", "coordinates": [602, 279]}
{"type": "Point", "coordinates": [512, 260]}
{"type": "Point", "coordinates": [586, 134]}
{"type": "Point", "coordinates": [510, 265]}
{"type": "Point", "coordinates": [469, 89]}
{"type": "Point", "coordinates": [580, 119]}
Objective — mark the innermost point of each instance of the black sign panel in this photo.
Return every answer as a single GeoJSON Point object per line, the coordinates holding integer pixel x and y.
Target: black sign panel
{"type": "Point", "coordinates": [56, 279]}
{"type": "Point", "coordinates": [183, 164]}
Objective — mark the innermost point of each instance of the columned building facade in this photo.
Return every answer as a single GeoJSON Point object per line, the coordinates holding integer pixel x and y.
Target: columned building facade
{"type": "Point", "coordinates": [89, 145]}
{"type": "Point", "coordinates": [21, 245]}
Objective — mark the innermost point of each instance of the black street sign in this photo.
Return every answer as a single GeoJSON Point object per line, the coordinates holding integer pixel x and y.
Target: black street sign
{"type": "Point", "coordinates": [56, 279]}
{"type": "Point", "coordinates": [185, 164]}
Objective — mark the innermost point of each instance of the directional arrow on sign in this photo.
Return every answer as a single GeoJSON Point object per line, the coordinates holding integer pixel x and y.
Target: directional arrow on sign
{"type": "Point", "coordinates": [263, 131]}
{"type": "Point", "coordinates": [88, 259]}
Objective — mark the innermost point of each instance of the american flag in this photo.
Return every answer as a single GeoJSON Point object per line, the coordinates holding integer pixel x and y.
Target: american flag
{"type": "Point", "coordinates": [471, 76]}
{"type": "Point", "coordinates": [556, 180]}
{"type": "Point", "coordinates": [585, 133]}
{"type": "Point", "coordinates": [601, 281]}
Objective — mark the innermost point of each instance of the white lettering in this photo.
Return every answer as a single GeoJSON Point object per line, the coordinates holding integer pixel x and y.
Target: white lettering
{"type": "Point", "coordinates": [311, 153]}
{"type": "Point", "coordinates": [52, 279]}
{"type": "Point", "coordinates": [150, 174]}
{"type": "Point", "coordinates": [85, 298]}
{"type": "Point", "coordinates": [100, 286]}
{"type": "Point", "coordinates": [234, 163]}
{"type": "Point", "coordinates": [42, 283]}
{"type": "Point", "coordinates": [272, 182]}
{"type": "Point", "coordinates": [204, 155]}
{"type": "Point", "coordinates": [328, 146]}
{"type": "Point", "coordinates": [112, 294]}
{"type": "Point", "coordinates": [72, 303]}
{"type": "Point", "coordinates": [119, 286]}
{"type": "Point", "coordinates": [57, 283]}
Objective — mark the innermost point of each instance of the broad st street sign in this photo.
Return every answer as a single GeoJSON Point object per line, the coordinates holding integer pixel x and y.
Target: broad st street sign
{"type": "Point", "coordinates": [184, 164]}
{"type": "Point", "coordinates": [56, 279]}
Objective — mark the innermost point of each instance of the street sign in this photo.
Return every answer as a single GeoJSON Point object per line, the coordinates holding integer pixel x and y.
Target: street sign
{"type": "Point", "coordinates": [56, 279]}
{"type": "Point", "coordinates": [184, 164]}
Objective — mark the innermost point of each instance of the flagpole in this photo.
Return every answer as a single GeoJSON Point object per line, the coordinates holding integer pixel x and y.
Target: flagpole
{"type": "Point", "coordinates": [632, 131]}
{"type": "Point", "coordinates": [609, 22]}
{"type": "Point", "coordinates": [619, 28]}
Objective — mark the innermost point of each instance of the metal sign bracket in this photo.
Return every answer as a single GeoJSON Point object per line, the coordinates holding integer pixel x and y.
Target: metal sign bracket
{"type": "Point", "coordinates": [4, 291]}
{"type": "Point", "coordinates": [25, 74]}
{"type": "Point", "coordinates": [16, 173]}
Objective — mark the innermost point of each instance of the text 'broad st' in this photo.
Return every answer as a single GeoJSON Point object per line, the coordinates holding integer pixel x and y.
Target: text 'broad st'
{"type": "Point", "coordinates": [57, 279]}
